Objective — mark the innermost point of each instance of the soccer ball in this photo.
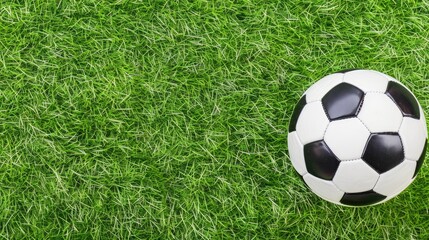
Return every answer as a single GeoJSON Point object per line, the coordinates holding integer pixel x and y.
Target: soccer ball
{"type": "Point", "coordinates": [357, 137]}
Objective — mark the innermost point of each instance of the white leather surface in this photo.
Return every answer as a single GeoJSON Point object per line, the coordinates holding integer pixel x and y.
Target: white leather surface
{"type": "Point", "coordinates": [390, 78]}
{"type": "Point", "coordinates": [380, 114]}
{"type": "Point", "coordinates": [321, 87]}
{"type": "Point", "coordinates": [367, 81]}
{"type": "Point", "coordinates": [396, 179]}
{"type": "Point", "coordinates": [423, 119]}
{"type": "Point", "coordinates": [323, 188]}
{"type": "Point", "coordinates": [355, 176]}
{"type": "Point", "coordinates": [296, 153]}
{"type": "Point", "coordinates": [312, 123]}
{"type": "Point", "coordinates": [347, 138]}
{"type": "Point", "coordinates": [403, 187]}
{"type": "Point", "coordinates": [413, 136]}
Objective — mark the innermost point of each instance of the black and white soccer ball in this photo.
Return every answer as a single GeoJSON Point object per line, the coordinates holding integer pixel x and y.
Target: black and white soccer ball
{"type": "Point", "coordinates": [357, 137]}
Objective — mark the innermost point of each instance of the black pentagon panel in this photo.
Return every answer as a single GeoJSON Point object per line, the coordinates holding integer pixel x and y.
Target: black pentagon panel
{"type": "Point", "coordinates": [404, 99]}
{"type": "Point", "coordinates": [342, 101]}
{"type": "Point", "coordinates": [347, 70]}
{"type": "Point", "coordinates": [383, 151]}
{"type": "Point", "coordinates": [296, 112]}
{"type": "Point", "coordinates": [320, 161]}
{"type": "Point", "coordinates": [362, 198]}
{"type": "Point", "coordinates": [421, 159]}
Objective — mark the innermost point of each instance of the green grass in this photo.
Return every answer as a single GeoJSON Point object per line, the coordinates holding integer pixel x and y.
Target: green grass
{"type": "Point", "coordinates": [168, 120]}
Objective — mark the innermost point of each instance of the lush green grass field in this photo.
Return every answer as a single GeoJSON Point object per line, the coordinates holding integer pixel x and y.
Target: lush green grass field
{"type": "Point", "coordinates": [168, 120]}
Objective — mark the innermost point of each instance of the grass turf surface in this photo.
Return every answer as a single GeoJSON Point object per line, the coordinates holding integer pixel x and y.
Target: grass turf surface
{"type": "Point", "coordinates": [168, 120]}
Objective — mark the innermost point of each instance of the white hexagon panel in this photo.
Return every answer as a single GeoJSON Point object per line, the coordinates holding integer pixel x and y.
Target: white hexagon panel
{"type": "Point", "coordinates": [347, 138]}
{"type": "Point", "coordinates": [323, 188]}
{"type": "Point", "coordinates": [296, 153]}
{"type": "Point", "coordinates": [397, 179]}
{"type": "Point", "coordinates": [423, 119]}
{"type": "Point", "coordinates": [397, 193]}
{"type": "Point", "coordinates": [384, 75]}
{"type": "Point", "coordinates": [379, 113]}
{"type": "Point", "coordinates": [413, 136]}
{"type": "Point", "coordinates": [355, 176]}
{"type": "Point", "coordinates": [367, 81]}
{"type": "Point", "coordinates": [312, 123]}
